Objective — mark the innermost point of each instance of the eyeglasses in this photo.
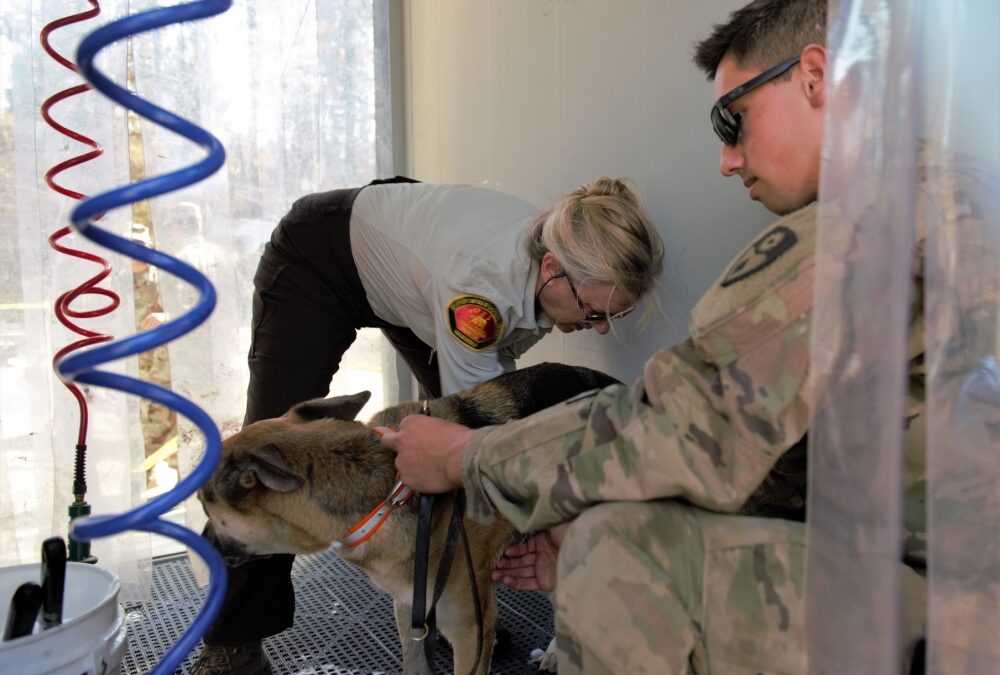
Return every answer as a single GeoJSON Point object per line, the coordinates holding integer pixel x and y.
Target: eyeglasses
{"type": "Point", "coordinates": [725, 123]}
{"type": "Point", "coordinates": [591, 316]}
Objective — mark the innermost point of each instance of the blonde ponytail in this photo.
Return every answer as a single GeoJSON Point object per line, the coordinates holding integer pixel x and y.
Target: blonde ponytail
{"type": "Point", "coordinates": [602, 233]}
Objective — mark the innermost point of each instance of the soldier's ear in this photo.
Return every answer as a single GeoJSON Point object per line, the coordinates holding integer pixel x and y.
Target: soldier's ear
{"type": "Point", "coordinates": [814, 69]}
{"type": "Point", "coordinates": [336, 407]}
{"type": "Point", "coordinates": [267, 465]}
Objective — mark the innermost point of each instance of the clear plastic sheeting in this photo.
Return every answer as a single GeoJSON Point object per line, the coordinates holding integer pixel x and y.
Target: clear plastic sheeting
{"type": "Point", "coordinates": [962, 85]}
{"type": "Point", "coordinates": [39, 418]}
{"type": "Point", "coordinates": [904, 503]}
{"type": "Point", "coordinates": [290, 90]}
{"type": "Point", "coordinates": [864, 264]}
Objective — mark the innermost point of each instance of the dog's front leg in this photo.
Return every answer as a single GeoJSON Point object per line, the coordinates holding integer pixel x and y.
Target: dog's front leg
{"type": "Point", "coordinates": [414, 661]}
{"type": "Point", "coordinates": [457, 623]}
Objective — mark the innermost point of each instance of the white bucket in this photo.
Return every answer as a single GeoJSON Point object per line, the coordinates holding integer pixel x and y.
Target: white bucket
{"type": "Point", "coordinates": [91, 639]}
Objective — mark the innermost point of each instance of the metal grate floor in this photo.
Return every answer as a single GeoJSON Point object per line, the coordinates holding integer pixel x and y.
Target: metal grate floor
{"type": "Point", "coordinates": [343, 624]}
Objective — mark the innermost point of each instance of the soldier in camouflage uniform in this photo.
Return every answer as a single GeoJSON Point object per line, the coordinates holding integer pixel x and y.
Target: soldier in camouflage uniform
{"type": "Point", "coordinates": [675, 506]}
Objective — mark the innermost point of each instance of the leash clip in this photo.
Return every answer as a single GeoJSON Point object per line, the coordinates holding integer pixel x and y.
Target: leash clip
{"type": "Point", "coordinates": [399, 494]}
{"type": "Point", "coordinates": [367, 526]}
{"type": "Point", "coordinates": [419, 637]}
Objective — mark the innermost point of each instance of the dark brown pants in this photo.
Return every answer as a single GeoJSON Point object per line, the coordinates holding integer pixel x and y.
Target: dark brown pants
{"type": "Point", "coordinates": [308, 304]}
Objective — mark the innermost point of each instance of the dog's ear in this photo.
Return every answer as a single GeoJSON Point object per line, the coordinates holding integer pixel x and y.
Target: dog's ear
{"type": "Point", "coordinates": [266, 464]}
{"type": "Point", "coordinates": [337, 407]}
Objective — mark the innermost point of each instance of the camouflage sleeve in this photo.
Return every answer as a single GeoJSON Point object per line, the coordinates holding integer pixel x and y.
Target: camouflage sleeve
{"type": "Point", "coordinates": [706, 422]}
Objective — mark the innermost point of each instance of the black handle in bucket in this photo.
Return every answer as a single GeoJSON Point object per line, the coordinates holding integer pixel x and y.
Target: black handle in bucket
{"type": "Point", "coordinates": [53, 580]}
{"type": "Point", "coordinates": [24, 608]}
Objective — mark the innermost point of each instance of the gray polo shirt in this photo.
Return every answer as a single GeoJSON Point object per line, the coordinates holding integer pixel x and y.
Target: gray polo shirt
{"type": "Point", "coordinates": [449, 262]}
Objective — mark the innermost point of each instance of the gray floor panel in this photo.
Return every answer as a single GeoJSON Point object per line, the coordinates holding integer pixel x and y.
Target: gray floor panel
{"type": "Point", "coordinates": [343, 624]}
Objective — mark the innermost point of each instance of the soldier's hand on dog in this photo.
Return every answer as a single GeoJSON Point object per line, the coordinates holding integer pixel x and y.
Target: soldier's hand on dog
{"type": "Point", "coordinates": [428, 452]}
{"type": "Point", "coordinates": [531, 565]}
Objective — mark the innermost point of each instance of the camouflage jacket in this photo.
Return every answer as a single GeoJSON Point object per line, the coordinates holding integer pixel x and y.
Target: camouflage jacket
{"type": "Point", "coordinates": [719, 420]}
{"type": "Point", "coordinates": [707, 422]}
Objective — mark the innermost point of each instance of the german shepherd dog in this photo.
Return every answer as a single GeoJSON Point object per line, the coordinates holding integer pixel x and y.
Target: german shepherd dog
{"type": "Point", "coordinates": [298, 483]}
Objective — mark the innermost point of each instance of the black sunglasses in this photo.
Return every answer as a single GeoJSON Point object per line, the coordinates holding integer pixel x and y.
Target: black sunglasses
{"type": "Point", "coordinates": [726, 124]}
{"type": "Point", "coordinates": [591, 316]}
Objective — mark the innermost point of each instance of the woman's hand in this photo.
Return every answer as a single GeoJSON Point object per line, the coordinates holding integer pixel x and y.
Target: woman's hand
{"type": "Point", "coordinates": [531, 565]}
{"type": "Point", "coordinates": [428, 452]}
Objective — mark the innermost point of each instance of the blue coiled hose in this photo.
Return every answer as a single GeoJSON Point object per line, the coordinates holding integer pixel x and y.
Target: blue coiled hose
{"type": "Point", "coordinates": [82, 367]}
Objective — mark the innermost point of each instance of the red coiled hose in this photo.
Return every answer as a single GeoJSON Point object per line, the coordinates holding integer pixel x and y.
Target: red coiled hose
{"type": "Point", "coordinates": [64, 312]}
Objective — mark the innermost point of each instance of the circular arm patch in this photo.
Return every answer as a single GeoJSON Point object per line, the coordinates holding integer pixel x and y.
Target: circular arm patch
{"type": "Point", "coordinates": [474, 322]}
{"type": "Point", "coordinates": [772, 245]}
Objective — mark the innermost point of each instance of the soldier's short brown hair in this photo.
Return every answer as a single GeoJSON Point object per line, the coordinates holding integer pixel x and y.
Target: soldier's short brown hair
{"type": "Point", "coordinates": [763, 33]}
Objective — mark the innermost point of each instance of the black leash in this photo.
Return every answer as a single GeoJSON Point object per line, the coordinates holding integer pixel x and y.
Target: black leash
{"type": "Point", "coordinates": [458, 523]}
{"type": "Point", "coordinates": [423, 623]}
{"type": "Point", "coordinates": [420, 627]}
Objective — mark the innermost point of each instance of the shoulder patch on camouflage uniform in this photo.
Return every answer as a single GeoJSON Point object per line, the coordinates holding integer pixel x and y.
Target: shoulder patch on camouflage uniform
{"type": "Point", "coordinates": [474, 322]}
{"type": "Point", "coordinates": [766, 290]}
{"type": "Point", "coordinates": [761, 254]}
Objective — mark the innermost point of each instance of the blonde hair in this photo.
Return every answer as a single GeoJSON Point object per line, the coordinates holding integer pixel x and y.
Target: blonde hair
{"type": "Point", "coordinates": [601, 232]}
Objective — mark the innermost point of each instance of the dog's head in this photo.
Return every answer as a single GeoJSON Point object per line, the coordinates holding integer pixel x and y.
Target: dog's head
{"type": "Point", "coordinates": [286, 485]}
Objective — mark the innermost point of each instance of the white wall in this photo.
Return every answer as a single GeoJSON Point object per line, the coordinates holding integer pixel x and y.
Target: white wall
{"type": "Point", "coordinates": [534, 97]}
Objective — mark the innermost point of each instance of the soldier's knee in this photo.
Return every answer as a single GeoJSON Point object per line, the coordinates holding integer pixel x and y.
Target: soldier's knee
{"type": "Point", "coordinates": [598, 522]}
{"type": "Point", "coordinates": [648, 526]}
{"type": "Point", "coordinates": [587, 531]}
{"type": "Point", "coordinates": [628, 518]}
